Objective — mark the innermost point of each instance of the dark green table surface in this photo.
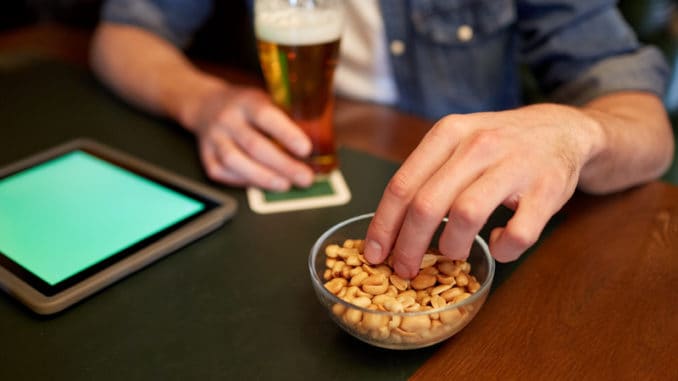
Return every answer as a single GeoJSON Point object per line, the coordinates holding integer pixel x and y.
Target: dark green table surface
{"type": "Point", "coordinates": [237, 304]}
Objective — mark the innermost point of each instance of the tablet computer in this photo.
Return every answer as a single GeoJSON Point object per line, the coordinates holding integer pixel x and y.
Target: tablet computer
{"type": "Point", "coordinates": [80, 216]}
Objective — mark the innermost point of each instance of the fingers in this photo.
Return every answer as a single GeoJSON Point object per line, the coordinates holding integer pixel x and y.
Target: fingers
{"type": "Point", "coordinates": [275, 123]}
{"type": "Point", "coordinates": [215, 170]}
{"type": "Point", "coordinates": [237, 147]}
{"type": "Point", "coordinates": [466, 165]}
{"type": "Point", "coordinates": [470, 210]}
{"type": "Point", "coordinates": [422, 163]}
{"type": "Point", "coordinates": [522, 230]}
{"type": "Point", "coordinates": [225, 162]}
{"type": "Point", "coordinates": [477, 176]}
{"type": "Point", "coordinates": [260, 150]}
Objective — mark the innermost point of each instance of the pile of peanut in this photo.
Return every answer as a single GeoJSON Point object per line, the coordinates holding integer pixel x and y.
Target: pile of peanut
{"type": "Point", "coordinates": [440, 281]}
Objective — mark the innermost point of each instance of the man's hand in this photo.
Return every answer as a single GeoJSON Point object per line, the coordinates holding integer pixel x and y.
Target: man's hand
{"type": "Point", "coordinates": [527, 159]}
{"type": "Point", "coordinates": [236, 130]}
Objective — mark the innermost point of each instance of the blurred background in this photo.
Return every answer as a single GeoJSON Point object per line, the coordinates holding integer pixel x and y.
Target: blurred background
{"type": "Point", "coordinates": [17, 13]}
{"type": "Point", "coordinates": [655, 21]}
{"type": "Point", "coordinates": [230, 18]}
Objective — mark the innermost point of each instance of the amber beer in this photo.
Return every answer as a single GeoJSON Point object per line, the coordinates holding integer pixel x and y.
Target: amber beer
{"type": "Point", "coordinates": [298, 55]}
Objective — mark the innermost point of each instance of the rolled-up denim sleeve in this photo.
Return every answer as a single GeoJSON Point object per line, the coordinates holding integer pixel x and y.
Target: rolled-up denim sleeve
{"type": "Point", "coordinates": [173, 20]}
{"type": "Point", "coordinates": [580, 50]}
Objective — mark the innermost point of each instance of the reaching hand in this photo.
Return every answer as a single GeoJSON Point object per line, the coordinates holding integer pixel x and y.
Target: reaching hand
{"type": "Point", "coordinates": [235, 135]}
{"type": "Point", "coordinates": [527, 159]}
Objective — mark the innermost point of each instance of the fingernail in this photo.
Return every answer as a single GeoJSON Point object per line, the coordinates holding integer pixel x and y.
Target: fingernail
{"type": "Point", "coordinates": [279, 184]}
{"type": "Point", "coordinates": [401, 270]}
{"type": "Point", "coordinates": [303, 179]}
{"type": "Point", "coordinates": [372, 251]}
{"type": "Point", "coordinates": [302, 148]}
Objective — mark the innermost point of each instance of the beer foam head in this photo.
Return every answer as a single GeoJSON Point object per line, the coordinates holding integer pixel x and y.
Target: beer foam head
{"type": "Point", "coordinates": [298, 26]}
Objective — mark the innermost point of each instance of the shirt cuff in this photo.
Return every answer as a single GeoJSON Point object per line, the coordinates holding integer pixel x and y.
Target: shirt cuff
{"type": "Point", "coordinates": [644, 70]}
{"type": "Point", "coordinates": [175, 24]}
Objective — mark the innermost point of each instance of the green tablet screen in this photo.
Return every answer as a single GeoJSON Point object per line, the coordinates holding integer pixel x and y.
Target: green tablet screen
{"type": "Point", "coordinates": [74, 211]}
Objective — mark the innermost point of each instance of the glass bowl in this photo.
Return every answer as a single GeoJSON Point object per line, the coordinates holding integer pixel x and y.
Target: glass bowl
{"type": "Point", "coordinates": [395, 327]}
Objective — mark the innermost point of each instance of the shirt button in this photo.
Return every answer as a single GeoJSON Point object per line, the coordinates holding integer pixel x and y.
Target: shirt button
{"type": "Point", "coordinates": [464, 33]}
{"type": "Point", "coordinates": [397, 47]}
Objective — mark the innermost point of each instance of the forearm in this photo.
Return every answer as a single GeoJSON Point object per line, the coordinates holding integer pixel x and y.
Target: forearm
{"type": "Point", "coordinates": [150, 73]}
{"type": "Point", "coordinates": [636, 142]}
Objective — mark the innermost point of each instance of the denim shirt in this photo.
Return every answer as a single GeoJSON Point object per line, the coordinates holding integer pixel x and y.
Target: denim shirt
{"type": "Point", "coordinates": [462, 56]}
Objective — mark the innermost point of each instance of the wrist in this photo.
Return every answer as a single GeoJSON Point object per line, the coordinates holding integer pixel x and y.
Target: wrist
{"type": "Point", "coordinates": [592, 134]}
{"type": "Point", "coordinates": [587, 132]}
{"type": "Point", "coordinates": [191, 110]}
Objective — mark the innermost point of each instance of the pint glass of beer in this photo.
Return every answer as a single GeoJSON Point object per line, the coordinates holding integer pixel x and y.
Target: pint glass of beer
{"type": "Point", "coordinates": [298, 44]}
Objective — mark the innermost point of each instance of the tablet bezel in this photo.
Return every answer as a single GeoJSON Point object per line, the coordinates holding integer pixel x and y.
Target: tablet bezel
{"type": "Point", "coordinates": [43, 298]}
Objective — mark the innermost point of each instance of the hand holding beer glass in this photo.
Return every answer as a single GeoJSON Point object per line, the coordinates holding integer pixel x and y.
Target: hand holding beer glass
{"type": "Point", "coordinates": [298, 44]}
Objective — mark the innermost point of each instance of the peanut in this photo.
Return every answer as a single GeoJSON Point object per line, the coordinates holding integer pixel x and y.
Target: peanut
{"type": "Point", "coordinates": [359, 278]}
{"type": "Point", "coordinates": [345, 270]}
{"type": "Point", "coordinates": [353, 260]}
{"type": "Point", "coordinates": [331, 251]}
{"type": "Point", "coordinates": [461, 279]}
{"type": "Point", "coordinates": [374, 321]}
{"type": "Point", "coordinates": [473, 286]}
{"type": "Point", "coordinates": [399, 283]}
{"type": "Point", "coordinates": [394, 306]}
{"type": "Point", "coordinates": [375, 284]}
{"type": "Point", "coordinates": [336, 268]}
{"type": "Point", "coordinates": [335, 285]}
{"type": "Point", "coordinates": [348, 244]}
{"type": "Point", "coordinates": [423, 281]}
{"type": "Point", "coordinates": [410, 293]}
{"type": "Point", "coordinates": [415, 323]}
{"type": "Point", "coordinates": [429, 270]}
{"type": "Point", "coordinates": [392, 291]}
{"type": "Point", "coordinates": [438, 301]}
{"type": "Point", "coordinates": [447, 268]}
{"type": "Point", "coordinates": [445, 279]}
{"type": "Point", "coordinates": [362, 301]}
{"type": "Point", "coordinates": [440, 289]}
{"type": "Point", "coordinates": [452, 293]}
{"type": "Point", "coordinates": [346, 252]}
{"type": "Point", "coordinates": [355, 271]}
{"type": "Point", "coordinates": [329, 262]}
{"type": "Point", "coordinates": [428, 260]}
{"type": "Point", "coordinates": [338, 309]}
{"type": "Point", "coordinates": [353, 316]}
{"type": "Point", "coordinates": [382, 299]}
{"type": "Point", "coordinates": [451, 316]}
{"type": "Point", "coordinates": [383, 269]}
